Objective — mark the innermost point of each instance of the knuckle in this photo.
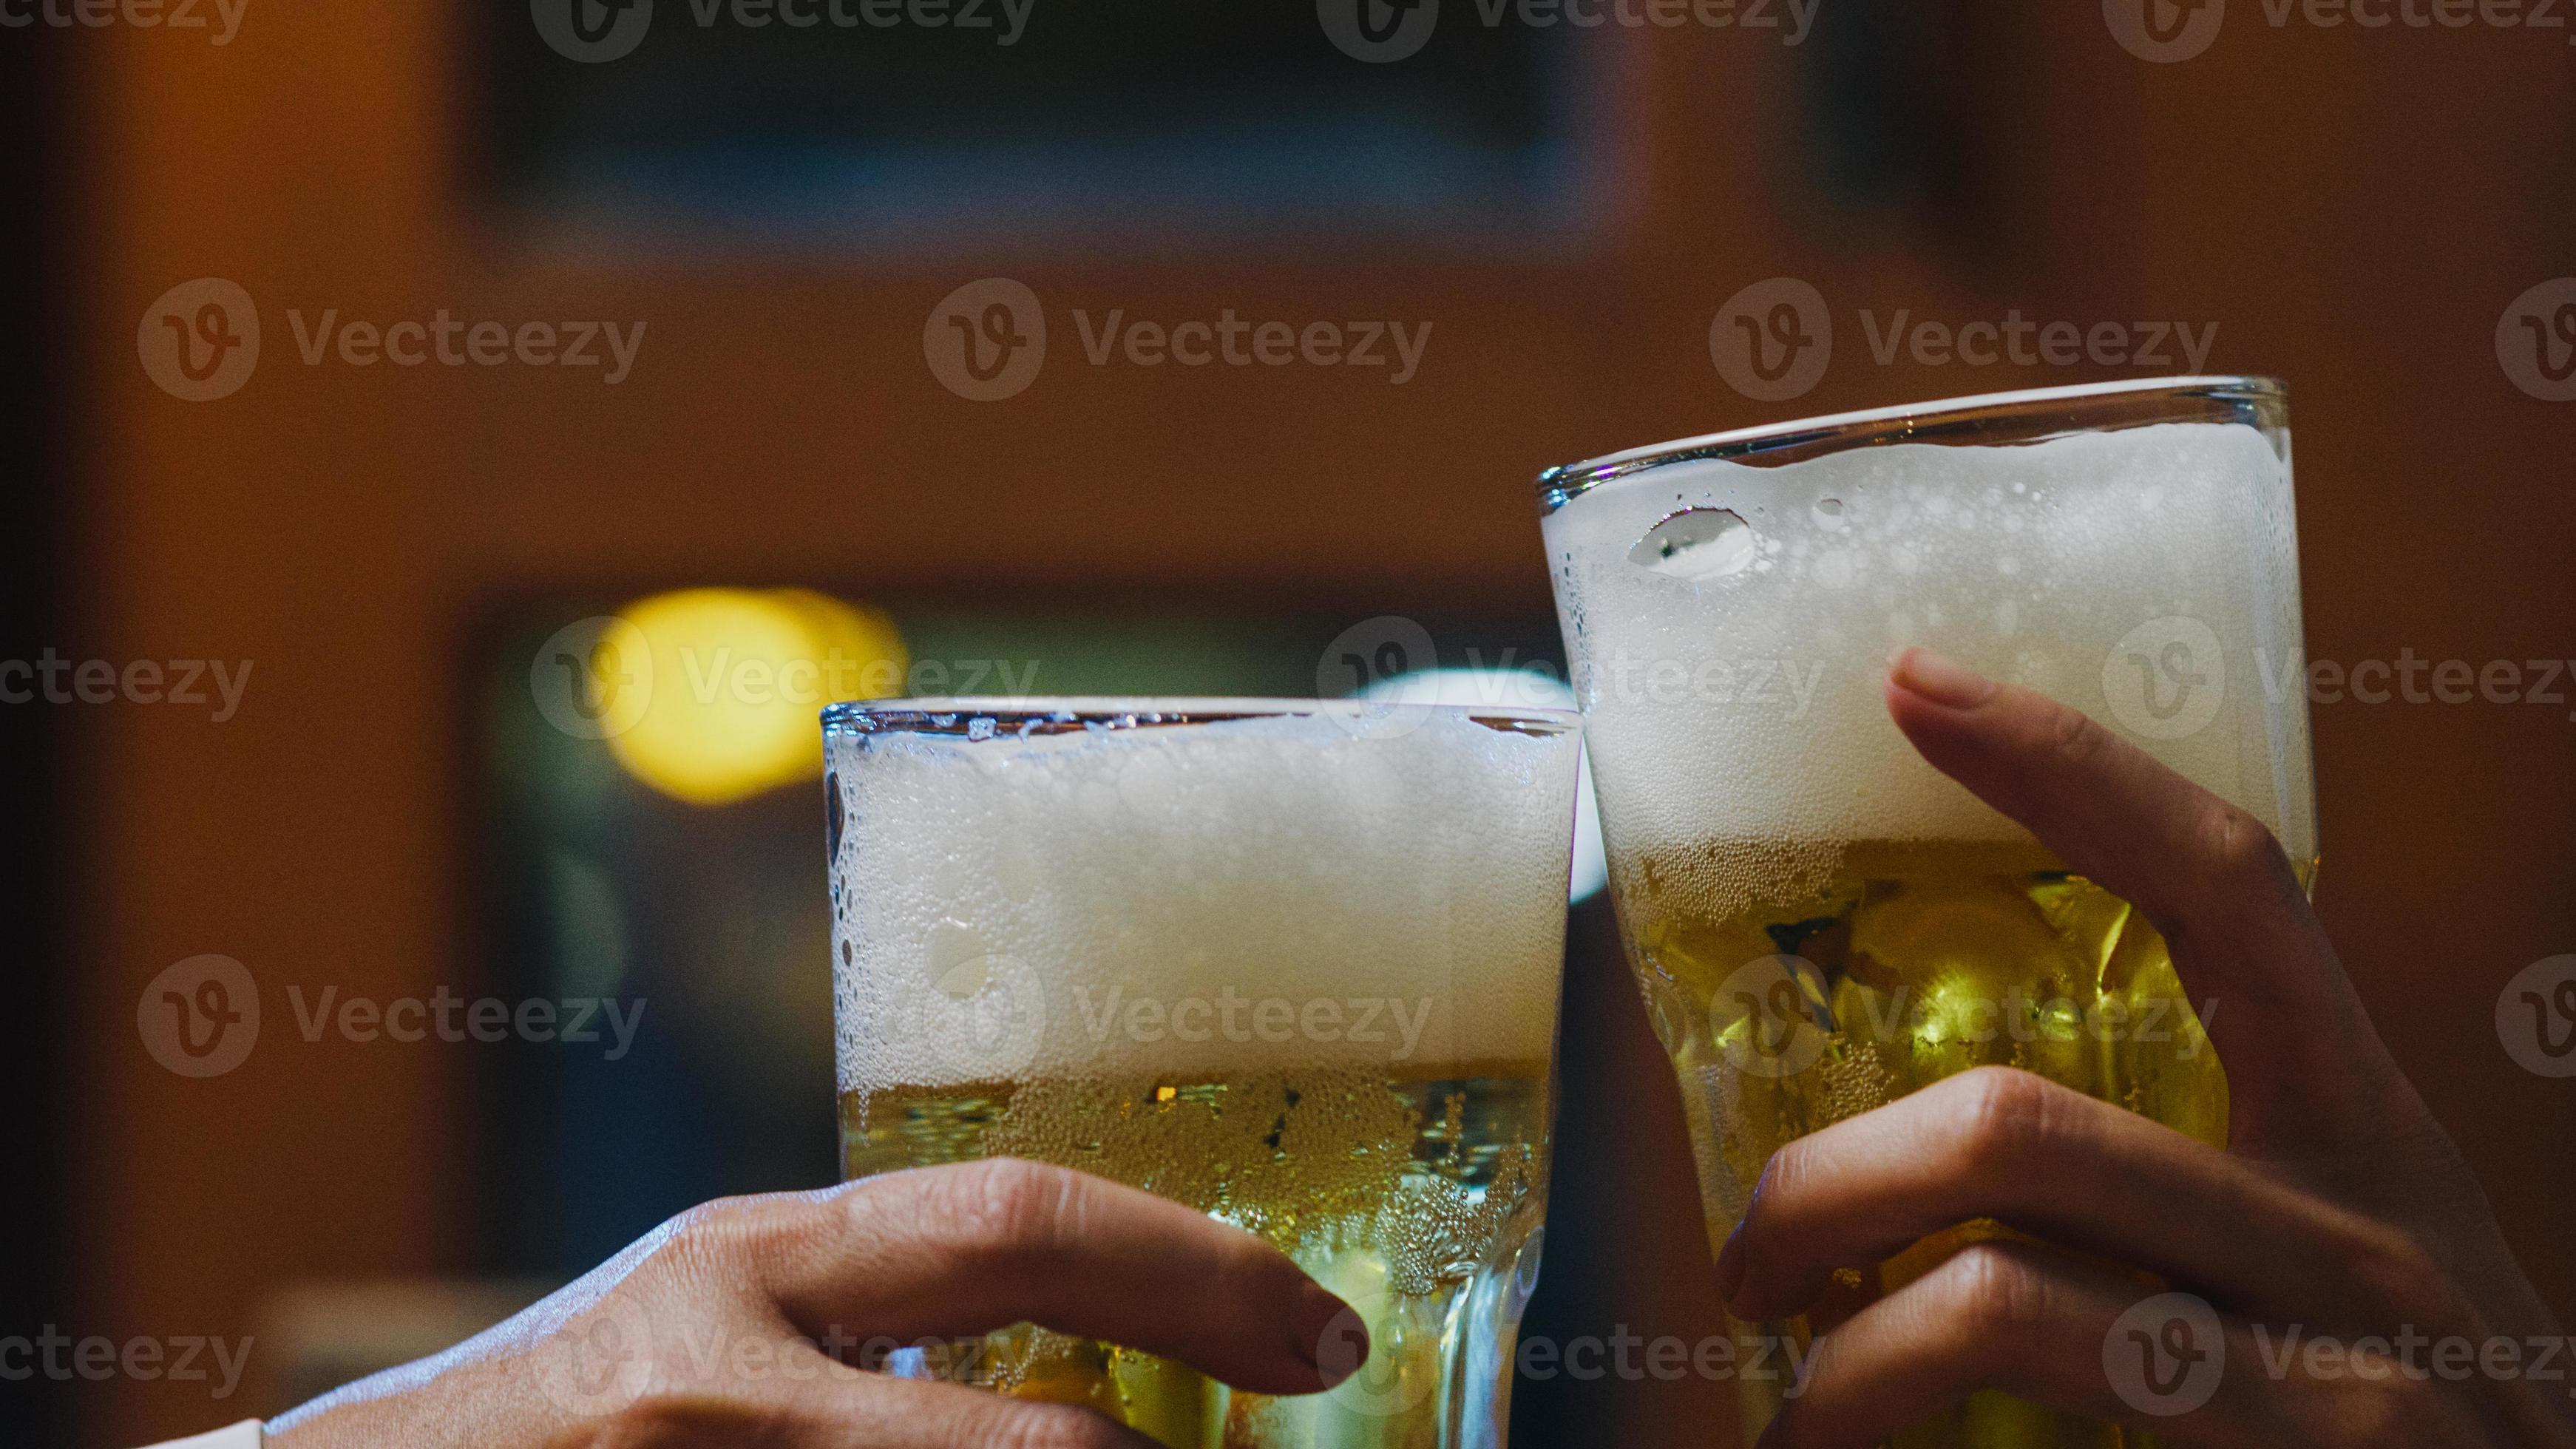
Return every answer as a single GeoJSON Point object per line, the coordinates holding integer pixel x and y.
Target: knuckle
{"type": "Point", "coordinates": [1998, 1302]}
{"type": "Point", "coordinates": [2076, 738]}
{"type": "Point", "coordinates": [2392, 1269]}
{"type": "Point", "coordinates": [2007, 1120]}
{"type": "Point", "coordinates": [730, 1230]}
{"type": "Point", "coordinates": [2235, 846]}
{"type": "Point", "coordinates": [1006, 1205]}
{"type": "Point", "coordinates": [1789, 1170]}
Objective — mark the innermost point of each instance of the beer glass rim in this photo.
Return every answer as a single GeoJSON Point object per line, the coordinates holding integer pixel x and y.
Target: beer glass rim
{"type": "Point", "coordinates": [981, 717]}
{"type": "Point", "coordinates": [2001, 419]}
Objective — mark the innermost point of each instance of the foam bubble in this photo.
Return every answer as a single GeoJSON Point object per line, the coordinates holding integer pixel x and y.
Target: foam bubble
{"type": "Point", "coordinates": [2145, 576]}
{"type": "Point", "coordinates": [1199, 901]}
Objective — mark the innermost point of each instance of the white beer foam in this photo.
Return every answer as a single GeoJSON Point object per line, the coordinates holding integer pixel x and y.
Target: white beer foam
{"type": "Point", "coordinates": [1002, 907]}
{"type": "Point", "coordinates": [2048, 564]}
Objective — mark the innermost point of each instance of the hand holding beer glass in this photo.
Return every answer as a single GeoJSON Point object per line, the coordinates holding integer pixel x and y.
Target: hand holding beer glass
{"type": "Point", "coordinates": [1947, 1024]}
{"type": "Point", "coordinates": [1294, 966]}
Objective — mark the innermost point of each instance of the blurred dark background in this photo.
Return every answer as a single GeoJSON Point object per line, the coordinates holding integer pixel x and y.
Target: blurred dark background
{"type": "Point", "coordinates": [1568, 210]}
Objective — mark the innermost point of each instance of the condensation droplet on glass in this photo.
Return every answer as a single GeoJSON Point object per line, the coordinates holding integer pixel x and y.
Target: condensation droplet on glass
{"type": "Point", "coordinates": [1697, 543]}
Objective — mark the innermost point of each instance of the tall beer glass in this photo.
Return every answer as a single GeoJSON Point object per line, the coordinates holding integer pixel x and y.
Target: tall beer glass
{"type": "Point", "coordinates": [1820, 922]}
{"type": "Point", "coordinates": [1293, 964]}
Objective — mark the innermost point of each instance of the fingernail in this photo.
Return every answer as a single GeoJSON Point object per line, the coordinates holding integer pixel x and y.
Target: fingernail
{"type": "Point", "coordinates": [1939, 679]}
{"type": "Point", "coordinates": [1730, 1265]}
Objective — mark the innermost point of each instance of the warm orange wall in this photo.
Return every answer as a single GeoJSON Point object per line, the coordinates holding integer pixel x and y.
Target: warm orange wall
{"type": "Point", "coordinates": [2354, 211]}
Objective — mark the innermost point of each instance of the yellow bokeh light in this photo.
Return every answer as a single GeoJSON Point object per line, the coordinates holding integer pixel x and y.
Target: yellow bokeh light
{"type": "Point", "coordinates": [733, 681]}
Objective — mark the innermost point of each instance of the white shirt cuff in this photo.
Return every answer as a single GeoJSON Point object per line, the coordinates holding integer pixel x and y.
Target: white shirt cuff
{"type": "Point", "coordinates": [244, 1435]}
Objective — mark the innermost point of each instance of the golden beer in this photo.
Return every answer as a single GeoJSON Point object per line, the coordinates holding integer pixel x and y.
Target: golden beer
{"type": "Point", "coordinates": [1293, 966]}
{"type": "Point", "coordinates": [1821, 923]}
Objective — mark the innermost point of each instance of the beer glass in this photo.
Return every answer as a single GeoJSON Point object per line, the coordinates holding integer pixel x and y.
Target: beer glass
{"type": "Point", "coordinates": [1294, 964]}
{"type": "Point", "coordinates": [1818, 920]}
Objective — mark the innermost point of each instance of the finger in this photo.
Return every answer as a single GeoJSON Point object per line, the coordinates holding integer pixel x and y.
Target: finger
{"type": "Point", "coordinates": [2204, 872]}
{"type": "Point", "coordinates": [2008, 1145]}
{"type": "Point", "coordinates": [971, 1248]}
{"type": "Point", "coordinates": [800, 1399]}
{"type": "Point", "coordinates": [2051, 1331]}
